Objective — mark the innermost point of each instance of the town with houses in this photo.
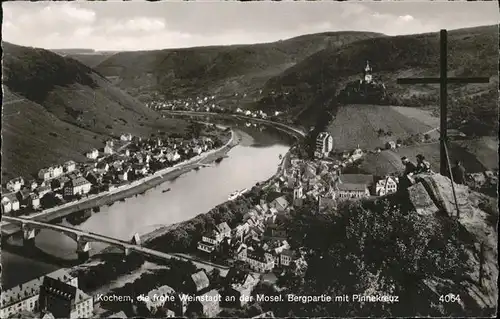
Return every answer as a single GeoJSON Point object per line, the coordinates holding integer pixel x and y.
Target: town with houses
{"type": "Point", "coordinates": [207, 104]}
{"type": "Point", "coordinates": [255, 251]}
{"type": "Point", "coordinates": [261, 240]}
{"type": "Point", "coordinates": [117, 164]}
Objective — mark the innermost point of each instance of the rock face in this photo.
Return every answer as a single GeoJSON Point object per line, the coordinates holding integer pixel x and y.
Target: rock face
{"type": "Point", "coordinates": [420, 199]}
{"type": "Point", "coordinates": [433, 194]}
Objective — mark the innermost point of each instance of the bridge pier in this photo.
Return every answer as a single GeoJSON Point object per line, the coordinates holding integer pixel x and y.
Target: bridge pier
{"type": "Point", "coordinates": [83, 249]}
{"type": "Point", "coordinates": [29, 235]}
{"type": "Point", "coordinates": [127, 251]}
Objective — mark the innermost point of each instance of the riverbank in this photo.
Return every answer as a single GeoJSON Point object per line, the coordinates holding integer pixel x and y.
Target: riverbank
{"type": "Point", "coordinates": [293, 131]}
{"type": "Point", "coordinates": [156, 234]}
{"type": "Point", "coordinates": [163, 231]}
{"type": "Point", "coordinates": [136, 187]}
{"type": "Point", "coordinates": [252, 161]}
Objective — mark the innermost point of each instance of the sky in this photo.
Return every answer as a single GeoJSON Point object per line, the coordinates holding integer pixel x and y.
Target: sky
{"type": "Point", "coordinates": [139, 25]}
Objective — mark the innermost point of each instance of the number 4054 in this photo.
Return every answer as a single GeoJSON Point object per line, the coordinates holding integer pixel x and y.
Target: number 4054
{"type": "Point", "coordinates": [449, 298]}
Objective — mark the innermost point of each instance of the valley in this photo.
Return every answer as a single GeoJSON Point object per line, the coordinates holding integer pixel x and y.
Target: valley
{"type": "Point", "coordinates": [245, 180]}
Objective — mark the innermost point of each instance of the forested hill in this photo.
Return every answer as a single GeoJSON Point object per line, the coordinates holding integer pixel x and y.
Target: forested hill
{"type": "Point", "coordinates": [56, 108]}
{"type": "Point", "coordinates": [179, 73]}
{"type": "Point", "coordinates": [471, 52]}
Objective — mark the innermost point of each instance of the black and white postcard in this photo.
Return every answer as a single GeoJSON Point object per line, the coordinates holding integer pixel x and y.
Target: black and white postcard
{"type": "Point", "coordinates": [256, 159]}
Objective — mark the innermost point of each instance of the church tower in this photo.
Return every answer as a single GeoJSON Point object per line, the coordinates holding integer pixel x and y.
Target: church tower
{"type": "Point", "coordinates": [298, 190]}
{"type": "Point", "coordinates": [367, 73]}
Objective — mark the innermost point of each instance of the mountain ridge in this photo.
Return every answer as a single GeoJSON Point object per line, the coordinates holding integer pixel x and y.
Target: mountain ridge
{"type": "Point", "coordinates": [215, 67]}
{"type": "Point", "coordinates": [471, 52]}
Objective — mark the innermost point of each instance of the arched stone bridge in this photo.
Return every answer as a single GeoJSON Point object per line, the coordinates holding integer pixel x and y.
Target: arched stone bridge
{"type": "Point", "coordinates": [83, 238]}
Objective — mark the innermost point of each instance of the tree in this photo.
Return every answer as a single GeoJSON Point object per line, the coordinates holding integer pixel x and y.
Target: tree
{"type": "Point", "coordinates": [379, 245]}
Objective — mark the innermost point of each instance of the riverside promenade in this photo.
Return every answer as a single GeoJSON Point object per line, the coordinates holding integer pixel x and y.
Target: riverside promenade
{"type": "Point", "coordinates": [127, 190]}
{"type": "Point", "coordinates": [281, 126]}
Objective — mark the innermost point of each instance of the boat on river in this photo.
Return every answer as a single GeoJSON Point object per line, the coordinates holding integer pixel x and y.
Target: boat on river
{"type": "Point", "coordinates": [233, 195]}
{"type": "Point", "coordinates": [166, 190]}
{"type": "Point", "coordinates": [219, 159]}
{"type": "Point", "coordinates": [237, 194]}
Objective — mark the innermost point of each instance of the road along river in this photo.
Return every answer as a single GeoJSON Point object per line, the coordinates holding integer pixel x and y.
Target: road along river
{"type": "Point", "coordinates": [253, 160]}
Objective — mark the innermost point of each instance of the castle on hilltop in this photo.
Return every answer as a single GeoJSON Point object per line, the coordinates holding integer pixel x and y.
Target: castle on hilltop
{"type": "Point", "coordinates": [367, 73]}
{"type": "Point", "coordinates": [367, 90]}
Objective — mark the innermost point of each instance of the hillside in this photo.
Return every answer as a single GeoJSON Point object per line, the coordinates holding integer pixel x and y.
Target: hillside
{"type": "Point", "coordinates": [91, 59]}
{"type": "Point", "coordinates": [219, 69]}
{"type": "Point", "coordinates": [359, 125]}
{"type": "Point", "coordinates": [56, 108]}
{"type": "Point", "coordinates": [477, 159]}
{"type": "Point", "coordinates": [471, 52]}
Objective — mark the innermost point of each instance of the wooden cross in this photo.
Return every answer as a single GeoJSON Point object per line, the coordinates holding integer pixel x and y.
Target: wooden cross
{"type": "Point", "coordinates": [443, 81]}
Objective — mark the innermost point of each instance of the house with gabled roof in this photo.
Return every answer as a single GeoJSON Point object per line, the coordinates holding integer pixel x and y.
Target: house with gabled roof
{"type": "Point", "coordinates": [197, 282]}
{"type": "Point", "coordinates": [287, 256]}
{"type": "Point", "coordinates": [32, 184]}
{"type": "Point", "coordinates": [386, 185]}
{"type": "Point", "coordinates": [102, 166]}
{"type": "Point", "coordinates": [212, 236]}
{"type": "Point", "coordinates": [92, 154]}
{"type": "Point", "coordinates": [57, 170]}
{"type": "Point", "coordinates": [353, 186]}
{"type": "Point", "coordinates": [10, 203]}
{"type": "Point", "coordinates": [24, 196]}
{"type": "Point", "coordinates": [69, 166]}
{"type": "Point", "coordinates": [77, 186]}
{"type": "Point", "coordinates": [240, 230]}
{"type": "Point", "coordinates": [34, 200]}
{"type": "Point", "coordinates": [26, 296]}
{"type": "Point", "coordinates": [126, 137]}
{"type": "Point", "coordinates": [14, 185]}
{"type": "Point", "coordinates": [208, 304]}
{"type": "Point", "coordinates": [239, 286]}
{"type": "Point", "coordinates": [94, 178]}
{"type": "Point", "coordinates": [260, 261]}
{"type": "Point", "coordinates": [224, 230]}
{"type": "Point", "coordinates": [157, 298]}
{"type": "Point", "coordinates": [280, 203]}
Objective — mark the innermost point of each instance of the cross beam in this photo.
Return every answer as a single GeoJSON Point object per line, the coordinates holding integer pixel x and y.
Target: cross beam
{"type": "Point", "coordinates": [443, 80]}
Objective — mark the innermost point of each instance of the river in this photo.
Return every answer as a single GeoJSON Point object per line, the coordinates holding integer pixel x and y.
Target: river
{"type": "Point", "coordinates": [255, 159]}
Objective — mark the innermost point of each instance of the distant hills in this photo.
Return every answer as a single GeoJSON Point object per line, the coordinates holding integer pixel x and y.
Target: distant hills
{"type": "Point", "coordinates": [471, 52]}
{"type": "Point", "coordinates": [223, 70]}
{"type": "Point", "coordinates": [73, 51]}
{"type": "Point", "coordinates": [89, 57]}
{"type": "Point", "coordinates": [82, 92]}
{"type": "Point", "coordinates": [56, 108]}
{"type": "Point", "coordinates": [302, 76]}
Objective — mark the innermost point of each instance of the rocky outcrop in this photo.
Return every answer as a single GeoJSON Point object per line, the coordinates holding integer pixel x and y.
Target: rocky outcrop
{"type": "Point", "coordinates": [432, 194]}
